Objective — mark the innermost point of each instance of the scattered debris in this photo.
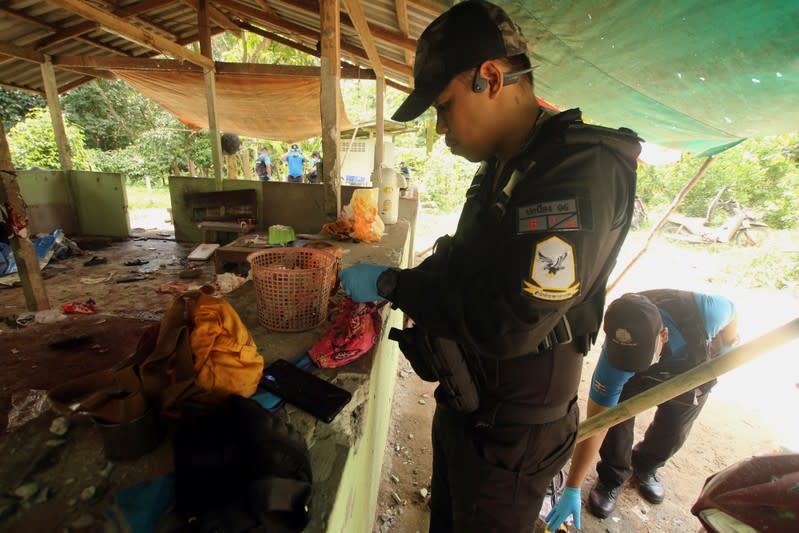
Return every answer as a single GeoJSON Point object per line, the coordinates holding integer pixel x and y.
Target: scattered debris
{"type": "Point", "coordinates": [128, 278]}
{"type": "Point", "coordinates": [25, 406]}
{"type": "Point", "coordinates": [59, 426]}
{"type": "Point", "coordinates": [424, 492]}
{"type": "Point", "coordinates": [27, 490]}
{"type": "Point", "coordinates": [105, 472]}
{"type": "Point", "coordinates": [396, 498]}
{"type": "Point", "coordinates": [89, 307]}
{"type": "Point", "coordinates": [55, 443]}
{"type": "Point", "coordinates": [88, 493]}
{"type": "Point", "coordinates": [83, 522]}
{"type": "Point", "coordinates": [96, 260]}
{"type": "Point", "coordinates": [422, 402]}
{"type": "Point", "coordinates": [136, 262]}
{"type": "Point", "coordinates": [410, 436]}
{"type": "Point", "coordinates": [95, 281]}
{"type": "Point", "coordinates": [190, 273]}
{"type": "Point", "coordinates": [394, 478]}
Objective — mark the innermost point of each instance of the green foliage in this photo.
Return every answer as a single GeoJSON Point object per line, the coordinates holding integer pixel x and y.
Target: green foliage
{"type": "Point", "coordinates": [111, 113]}
{"type": "Point", "coordinates": [14, 105]}
{"type": "Point", "coordinates": [762, 173]}
{"type": "Point", "coordinates": [141, 198]}
{"type": "Point", "coordinates": [32, 143]}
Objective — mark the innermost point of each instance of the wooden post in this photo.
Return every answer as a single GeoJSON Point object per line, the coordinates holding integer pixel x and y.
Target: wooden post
{"type": "Point", "coordinates": [24, 251]}
{"type": "Point", "coordinates": [674, 204]}
{"type": "Point", "coordinates": [54, 106]}
{"type": "Point", "coordinates": [329, 91]}
{"type": "Point", "coordinates": [210, 92]}
{"type": "Point", "coordinates": [689, 380]}
{"type": "Point", "coordinates": [380, 93]}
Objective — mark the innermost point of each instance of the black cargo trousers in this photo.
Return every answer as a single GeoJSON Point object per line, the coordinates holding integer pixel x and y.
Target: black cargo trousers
{"type": "Point", "coordinates": [494, 479]}
{"type": "Point", "coordinates": [663, 438]}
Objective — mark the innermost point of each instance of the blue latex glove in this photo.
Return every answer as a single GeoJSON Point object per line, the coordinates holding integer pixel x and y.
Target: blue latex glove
{"type": "Point", "coordinates": [360, 282]}
{"type": "Point", "coordinates": [569, 504]}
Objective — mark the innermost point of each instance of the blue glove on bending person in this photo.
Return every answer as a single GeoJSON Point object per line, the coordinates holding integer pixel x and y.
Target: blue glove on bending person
{"type": "Point", "coordinates": [360, 282]}
{"type": "Point", "coordinates": [569, 504]}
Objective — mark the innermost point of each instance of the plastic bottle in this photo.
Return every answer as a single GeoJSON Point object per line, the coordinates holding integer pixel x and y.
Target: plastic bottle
{"type": "Point", "coordinates": [388, 200]}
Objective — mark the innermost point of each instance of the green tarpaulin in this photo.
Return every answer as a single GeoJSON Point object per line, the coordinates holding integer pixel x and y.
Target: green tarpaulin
{"type": "Point", "coordinates": [698, 76]}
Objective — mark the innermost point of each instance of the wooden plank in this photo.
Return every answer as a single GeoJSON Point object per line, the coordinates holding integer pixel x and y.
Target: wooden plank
{"type": "Point", "coordinates": [433, 7]}
{"type": "Point", "coordinates": [128, 31]}
{"type": "Point", "coordinates": [329, 92]}
{"type": "Point", "coordinates": [378, 31]}
{"type": "Point", "coordinates": [122, 12]}
{"type": "Point", "coordinates": [22, 88]}
{"type": "Point", "coordinates": [24, 251]}
{"type": "Point", "coordinates": [380, 97]}
{"type": "Point", "coordinates": [125, 63]}
{"type": "Point", "coordinates": [54, 106]}
{"type": "Point", "coordinates": [362, 27]}
{"type": "Point", "coordinates": [204, 31]}
{"type": "Point", "coordinates": [21, 52]}
{"type": "Point", "coordinates": [203, 252]}
{"type": "Point", "coordinates": [399, 86]}
{"type": "Point", "coordinates": [402, 20]}
{"type": "Point", "coordinates": [215, 15]}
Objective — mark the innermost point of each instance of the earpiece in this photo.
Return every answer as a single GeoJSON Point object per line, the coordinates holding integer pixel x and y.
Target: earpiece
{"type": "Point", "coordinates": [480, 83]}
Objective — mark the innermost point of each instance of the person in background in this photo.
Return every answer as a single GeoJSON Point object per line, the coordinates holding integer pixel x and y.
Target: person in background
{"type": "Point", "coordinates": [263, 165]}
{"type": "Point", "coordinates": [506, 308]}
{"type": "Point", "coordinates": [316, 167]}
{"type": "Point", "coordinates": [677, 330]}
{"type": "Point", "coordinates": [295, 162]}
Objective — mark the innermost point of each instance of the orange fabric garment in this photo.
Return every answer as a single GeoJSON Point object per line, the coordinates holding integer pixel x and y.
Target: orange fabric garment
{"type": "Point", "coordinates": [226, 359]}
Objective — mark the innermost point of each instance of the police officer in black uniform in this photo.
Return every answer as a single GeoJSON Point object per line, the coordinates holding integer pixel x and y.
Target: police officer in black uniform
{"type": "Point", "coordinates": [506, 308]}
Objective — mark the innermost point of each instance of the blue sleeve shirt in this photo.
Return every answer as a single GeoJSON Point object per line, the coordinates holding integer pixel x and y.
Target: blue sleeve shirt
{"type": "Point", "coordinates": [295, 161]}
{"type": "Point", "coordinates": [266, 160]}
{"type": "Point", "coordinates": [607, 381]}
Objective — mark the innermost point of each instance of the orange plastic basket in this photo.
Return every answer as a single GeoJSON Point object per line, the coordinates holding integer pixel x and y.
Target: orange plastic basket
{"type": "Point", "coordinates": [292, 287]}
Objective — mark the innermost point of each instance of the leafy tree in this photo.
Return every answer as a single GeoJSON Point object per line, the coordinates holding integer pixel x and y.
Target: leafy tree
{"type": "Point", "coordinates": [111, 113]}
{"type": "Point", "coordinates": [14, 105]}
{"type": "Point", "coordinates": [32, 143]}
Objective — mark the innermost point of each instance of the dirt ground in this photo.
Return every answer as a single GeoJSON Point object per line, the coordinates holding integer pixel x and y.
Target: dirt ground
{"type": "Point", "coordinates": [751, 411]}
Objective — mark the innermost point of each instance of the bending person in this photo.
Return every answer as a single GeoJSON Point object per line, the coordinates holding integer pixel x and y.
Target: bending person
{"type": "Point", "coordinates": [678, 330]}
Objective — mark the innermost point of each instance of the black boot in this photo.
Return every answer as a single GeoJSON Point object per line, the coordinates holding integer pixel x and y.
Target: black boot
{"type": "Point", "coordinates": [602, 500]}
{"type": "Point", "coordinates": [650, 487]}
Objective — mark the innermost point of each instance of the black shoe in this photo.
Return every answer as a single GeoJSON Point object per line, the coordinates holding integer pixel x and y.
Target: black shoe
{"type": "Point", "coordinates": [650, 487]}
{"type": "Point", "coordinates": [602, 500]}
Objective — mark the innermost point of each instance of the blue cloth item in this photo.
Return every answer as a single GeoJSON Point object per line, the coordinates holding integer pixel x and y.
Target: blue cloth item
{"type": "Point", "coordinates": [265, 159]}
{"type": "Point", "coordinates": [139, 508]}
{"type": "Point", "coordinates": [607, 381]}
{"type": "Point", "coordinates": [569, 504]}
{"type": "Point", "coordinates": [271, 401]}
{"type": "Point", "coordinates": [44, 251]}
{"type": "Point", "coordinates": [360, 282]}
{"type": "Point", "coordinates": [295, 161]}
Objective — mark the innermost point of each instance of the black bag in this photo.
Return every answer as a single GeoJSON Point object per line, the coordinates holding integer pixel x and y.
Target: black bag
{"type": "Point", "coordinates": [240, 468]}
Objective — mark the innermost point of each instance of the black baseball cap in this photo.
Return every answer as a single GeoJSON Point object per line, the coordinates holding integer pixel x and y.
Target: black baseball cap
{"type": "Point", "coordinates": [459, 39]}
{"type": "Point", "coordinates": [632, 325]}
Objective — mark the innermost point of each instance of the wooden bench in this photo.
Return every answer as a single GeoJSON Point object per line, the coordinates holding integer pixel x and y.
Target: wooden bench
{"type": "Point", "coordinates": [223, 211]}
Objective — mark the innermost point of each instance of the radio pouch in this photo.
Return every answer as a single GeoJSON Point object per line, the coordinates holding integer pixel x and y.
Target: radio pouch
{"type": "Point", "coordinates": [442, 360]}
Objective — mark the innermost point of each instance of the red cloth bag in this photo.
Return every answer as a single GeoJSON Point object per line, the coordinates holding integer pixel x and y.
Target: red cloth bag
{"type": "Point", "coordinates": [355, 329]}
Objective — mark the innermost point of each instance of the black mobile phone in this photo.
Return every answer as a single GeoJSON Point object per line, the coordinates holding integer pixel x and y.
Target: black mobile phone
{"type": "Point", "coordinates": [308, 392]}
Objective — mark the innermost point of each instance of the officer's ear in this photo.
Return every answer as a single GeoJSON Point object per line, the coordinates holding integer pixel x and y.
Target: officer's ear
{"type": "Point", "coordinates": [490, 76]}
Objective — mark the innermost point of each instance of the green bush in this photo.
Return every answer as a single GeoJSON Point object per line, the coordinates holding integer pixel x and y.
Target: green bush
{"type": "Point", "coordinates": [761, 173]}
{"type": "Point", "coordinates": [32, 143]}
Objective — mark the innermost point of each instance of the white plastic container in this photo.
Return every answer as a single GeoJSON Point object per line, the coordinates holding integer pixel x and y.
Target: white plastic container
{"type": "Point", "coordinates": [388, 199]}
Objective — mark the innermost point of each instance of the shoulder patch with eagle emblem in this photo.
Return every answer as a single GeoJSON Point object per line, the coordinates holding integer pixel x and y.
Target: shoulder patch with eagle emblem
{"type": "Point", "coordinates": [552, 272]}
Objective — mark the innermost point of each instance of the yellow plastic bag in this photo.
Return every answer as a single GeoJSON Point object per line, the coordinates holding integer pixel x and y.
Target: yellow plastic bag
{"type": "Point", "coordinates": [367, 226]}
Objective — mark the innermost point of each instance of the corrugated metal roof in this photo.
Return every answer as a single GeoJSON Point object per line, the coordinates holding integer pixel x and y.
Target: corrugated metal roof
{"type": "Point", "coordinates": [39, 27]}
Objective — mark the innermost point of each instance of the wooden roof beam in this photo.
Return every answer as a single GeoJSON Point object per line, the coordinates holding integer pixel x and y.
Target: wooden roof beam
{"type": "Point", "coordinates": [123, 12]}
{"type": "Point", "coordinates": [21, 88]}
{"type": "Point", "coordinates": [34, 56]}
{"type": "Point", "coordinates": [132, 33]}
{"type": "Point", "coordinates": [402, 21]}
{"type": "Point", "coordinates": [215, 15]}
{"type": "Point", "coordinates": [434, 7]}
{"type": "Point", "coordinates": [380, 32]}
{"type": "Point", "coordinates": [362, 27]}
{"type": "Point", "coordinates": [290, 27]}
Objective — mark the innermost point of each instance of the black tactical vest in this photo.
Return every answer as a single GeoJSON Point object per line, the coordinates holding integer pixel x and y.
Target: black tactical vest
{"type": "Point", "coordinates": [681, 306]}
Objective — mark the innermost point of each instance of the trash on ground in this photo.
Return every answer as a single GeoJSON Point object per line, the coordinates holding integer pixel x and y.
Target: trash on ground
{"type": "Point", "coordinates": [129, 278]}
{"type": "Point", "coordinates": [96, 260]}
{"type": "Point", "coordinates": [136, 262]}
{"type": "Point", "coordinates": [89, 307]}
{"type": "Point", "coordinates": [25, 406]}
{"type": "Point", "coordinates": [95, 281]}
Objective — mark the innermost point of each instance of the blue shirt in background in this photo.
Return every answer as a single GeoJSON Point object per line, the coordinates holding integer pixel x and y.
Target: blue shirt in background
{"type": "Point", "coordinates": [608, 382]}
{"type": "Point", "coordinates": [295, 161]}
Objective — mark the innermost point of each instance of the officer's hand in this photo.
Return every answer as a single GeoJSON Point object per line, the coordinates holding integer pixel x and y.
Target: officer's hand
{"type": "Point", "coordinates": [360, 282]}
{"type": "Point", "coordinates": [569, 504]}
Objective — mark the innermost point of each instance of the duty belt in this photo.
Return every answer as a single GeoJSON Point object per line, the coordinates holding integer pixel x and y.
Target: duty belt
{"type": "Point", "coordinates": [560, 334]}
{"type": "Point", "coordinates": [511, 414]}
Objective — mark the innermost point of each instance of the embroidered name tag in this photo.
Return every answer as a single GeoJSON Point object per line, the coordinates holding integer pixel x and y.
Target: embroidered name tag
{"type": "Point", "coordinates": [560, 215]}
